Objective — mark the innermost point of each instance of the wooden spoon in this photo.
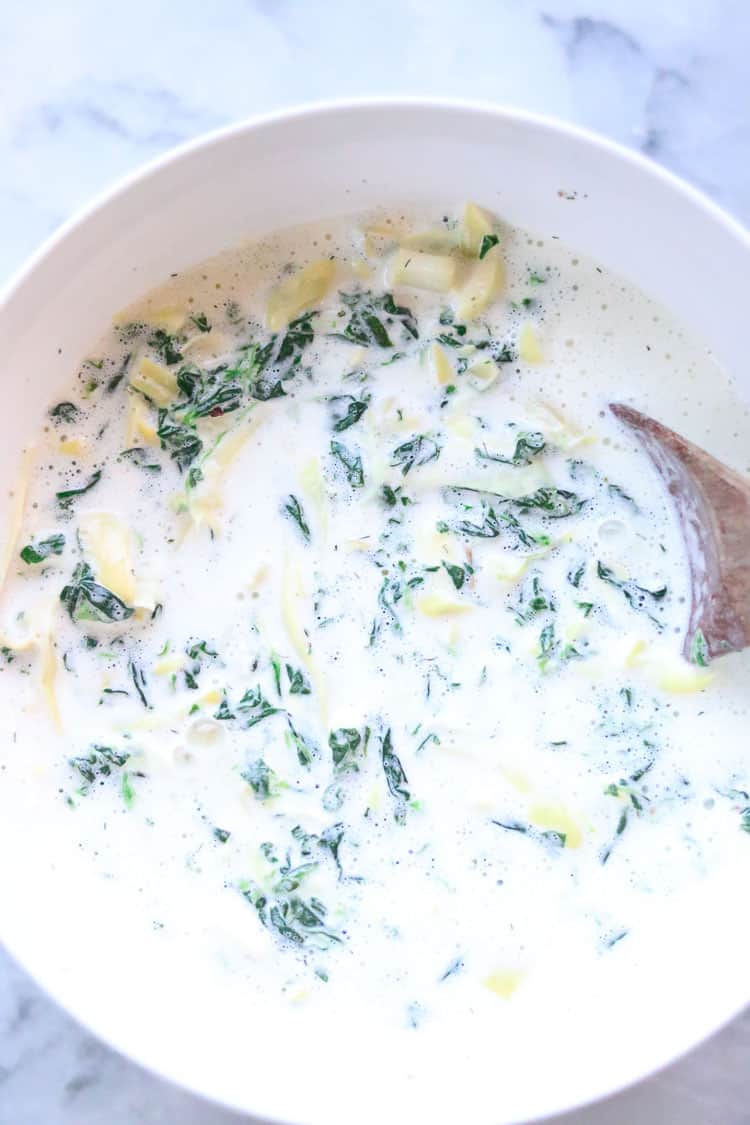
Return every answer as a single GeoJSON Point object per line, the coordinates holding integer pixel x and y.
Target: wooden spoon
{"type": "Point", "coordinates": [713, 510]}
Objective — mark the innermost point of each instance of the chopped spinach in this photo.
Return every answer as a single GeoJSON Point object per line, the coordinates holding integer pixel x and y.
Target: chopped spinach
{"type": "Point", "coordinates": [298, 682]}
{"type": "Point", "coordinates": [306, 750]}
{"type": "Point", "coordinates": [394, 774]}
{"type": "Point", "coordinates": [293, 918]}
{"type": "Point", "coordinates": [100, 762]}
{"type": "Point", "coordinates": [139, 456]}
{"type": "Point", "coordinates": [529, 444]}
{"type": "Point", "coordinates": [488, 241]}
{"type": "Point", "coordinates": [64, 412]}
{"type": "Point", "coordinates": [458, 574]}
{"type": "Point", "coordinates": [263, 781]}
{"type": "Point", "coordinates": [371, 316]}
{"type": "Point", "coordinates": [114, 381]}
{"type": "Point", "coordinates": [37, 552]}
{"type": "Point", "coordinates": [348, 746]}
{"type": "Point", "coordinates": [419, 450]}
{"type": "Point", "coordinates": [66, 497]}
{"type": "Point", "coordinates": [620, 494]}
{"type": "Point", "coordinates": [86, 600]}
{"type": "Point", "coordinates": [352, 463]}
{"type": "Point", "coordinates": [699, 653]}
{"type": "Point", "coordinates": [354, 409]}
{"type": "Point", "coordinates": [293, 508]}
{"type": "Point", "coordinates": [181, 442]}
{"type": "Point", "coordinates": [138, 676]}
{"type": "Point", "coordinates": [166, 346]}
{"type": "Point", "coordinates": [635, 595]}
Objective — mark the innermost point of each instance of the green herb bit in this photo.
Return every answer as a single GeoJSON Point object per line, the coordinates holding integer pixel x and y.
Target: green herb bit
{"type": "Point", "coordinates": [139, 456]}
{"type": "Point", "coordinates": [306, 750]}
{"type": "Point", "coordinates": [419, 450]}
{"type": "Point", "coordinates": [126, 789]}
{"type": "Point", "coordinates": [138, 676]}
{"type": "Point", "coordinates": [355, 408]}
{"type": "Point", "coordinates": [556, 503]}
{"type": "Point", "coordinates": [533, 602]}
{"type": "Point", "coordinates": [263, 781]}
{"type": "Point", "coordinates": [166, 346]}
{"type": "Point", "coordinates": [181, 442]}
{"type": "Point", "coordinates": [585, 608]}
{"type": "Point", "coordinates": [252, 708]}
{"type": "Point", "coordinates": [64, 412]}
{"type": "Point", "coordinates": [454, 967]}
{"type": "Point", "coordinates": [201, 322]}
{"type": "Point", "coordinates": [536, 279]}
{"type": "Point", "coordinates": [283, 354]}
{"type": "Point", "coordinates": [196, 654]}
{"type": "Point", "coordinates": [618, 493]}
{"type": "Point", "coordinates": [458, 574]}
{"type": "Point", "coordinates": [488, 241]}
{"type": "Point", "coordinates": [221, 835]}
{"type": "Point", "coordinates": [393, 496]}
{"type": "Point", "coordinates": [352, 463]}
{"type": "Point", "coordinates": [113, 383]}
{"type": "Point", "coordinates": [745, 820]}
{"type": "Point", "coordinates": [37, 552]}
{"type": "Point", "coordinates": [493, 524]}
{"type": "Point", "coordinates": [529, 444]}
{"type": "Point", "coordinates": [429, 738]}
{"type": "Point", "coordinates": [634, 594]}
{"type": "Point", "coordinates": [575, 577]}
{"type": "Point", "coordinates": [66, 497]}
{"type": "Point", "coordinates": [394, 775]}
{"type": "Point", "coordinates": [699, 653]}
{"type": "Point", "coordinates": [548, 646]}
{"type": "Point", "coordinates": [348, 747]}
{"type": "Point", "coordinates": [298, 682]}
{"type": "Point", "coordinates": [369, 316]}
{"type": "Point", "coordinates": [292, 918]}
{"type": "Point", "coordinates": [86, 600]}
{"type": "Point", "coordinates": [100, 762]}
{"type": "Point", "coordinates": [330, 839]}
{"type": "Point", "coordinates": [293, 508]}
{"type": "Point", "coordinates": [206, 394]}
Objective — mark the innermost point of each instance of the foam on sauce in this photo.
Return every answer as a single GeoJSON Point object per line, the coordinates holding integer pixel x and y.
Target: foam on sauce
{"type": "Point", "coordinates": [394, 709]}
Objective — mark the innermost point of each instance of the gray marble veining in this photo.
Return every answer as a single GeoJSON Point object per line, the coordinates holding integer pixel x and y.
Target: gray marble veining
{"type": "Point", "coordinates": [88, 91]}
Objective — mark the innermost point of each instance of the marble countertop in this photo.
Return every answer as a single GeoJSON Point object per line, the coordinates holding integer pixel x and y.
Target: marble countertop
{"type": "Point", "coordinates": [89, 90]}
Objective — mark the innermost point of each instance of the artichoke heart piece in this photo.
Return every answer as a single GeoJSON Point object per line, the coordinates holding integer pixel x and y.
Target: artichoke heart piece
{"type": "Point", "coordinates": [301, 291]}
{"type": "Point", "coordinates": [484, 284]}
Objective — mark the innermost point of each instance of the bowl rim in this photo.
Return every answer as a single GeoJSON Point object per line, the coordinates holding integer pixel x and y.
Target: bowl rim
{"type": "Point", "coordinates": [300, 112]}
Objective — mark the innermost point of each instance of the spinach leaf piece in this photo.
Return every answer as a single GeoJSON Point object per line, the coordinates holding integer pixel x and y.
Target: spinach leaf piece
{"type": "Point", "coordinates": [394, 773]}
{"type": "Point", "coordinates": [66, 497]}
{"type": "Point", "coordinates": [529, 444]}
{"type": "Point", "coordinates": [166, 346]}
{"type": "Point", "coordinates": [352, 463]}
{"type": "Point", "coordinates": [41, 550]}
{"type": "Point", "coordinates": [86, 600]}
{"type": "Point", "coordinates": [293, 508]}
{"type": "Point", "coordinates": [181, 442]}
{"type": "Point", "coordinates": [354, 409]}
{"type": "Point", "coordinates": [635, 595]}
{"type": "Point", "coordinates": [370, 317]}
{"type": "Point", "coordinates": [419, 450]}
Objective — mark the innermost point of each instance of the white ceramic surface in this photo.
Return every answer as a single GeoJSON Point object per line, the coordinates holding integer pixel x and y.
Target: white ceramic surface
{"type": "Point", "coordinates": [601, 201]}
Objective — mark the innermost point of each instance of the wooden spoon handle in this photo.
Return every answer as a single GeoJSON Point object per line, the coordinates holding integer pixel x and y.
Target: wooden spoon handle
{"type": "Point", "coordinates": [713, 508]}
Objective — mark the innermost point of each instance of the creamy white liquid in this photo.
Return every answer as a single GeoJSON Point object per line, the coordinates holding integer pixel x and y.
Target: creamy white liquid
{"type": "Point", "coordinates": [538, 790]}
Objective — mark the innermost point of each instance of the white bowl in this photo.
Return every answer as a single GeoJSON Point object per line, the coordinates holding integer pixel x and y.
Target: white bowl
{"type": "Point", "coordinates": [671, 987]}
